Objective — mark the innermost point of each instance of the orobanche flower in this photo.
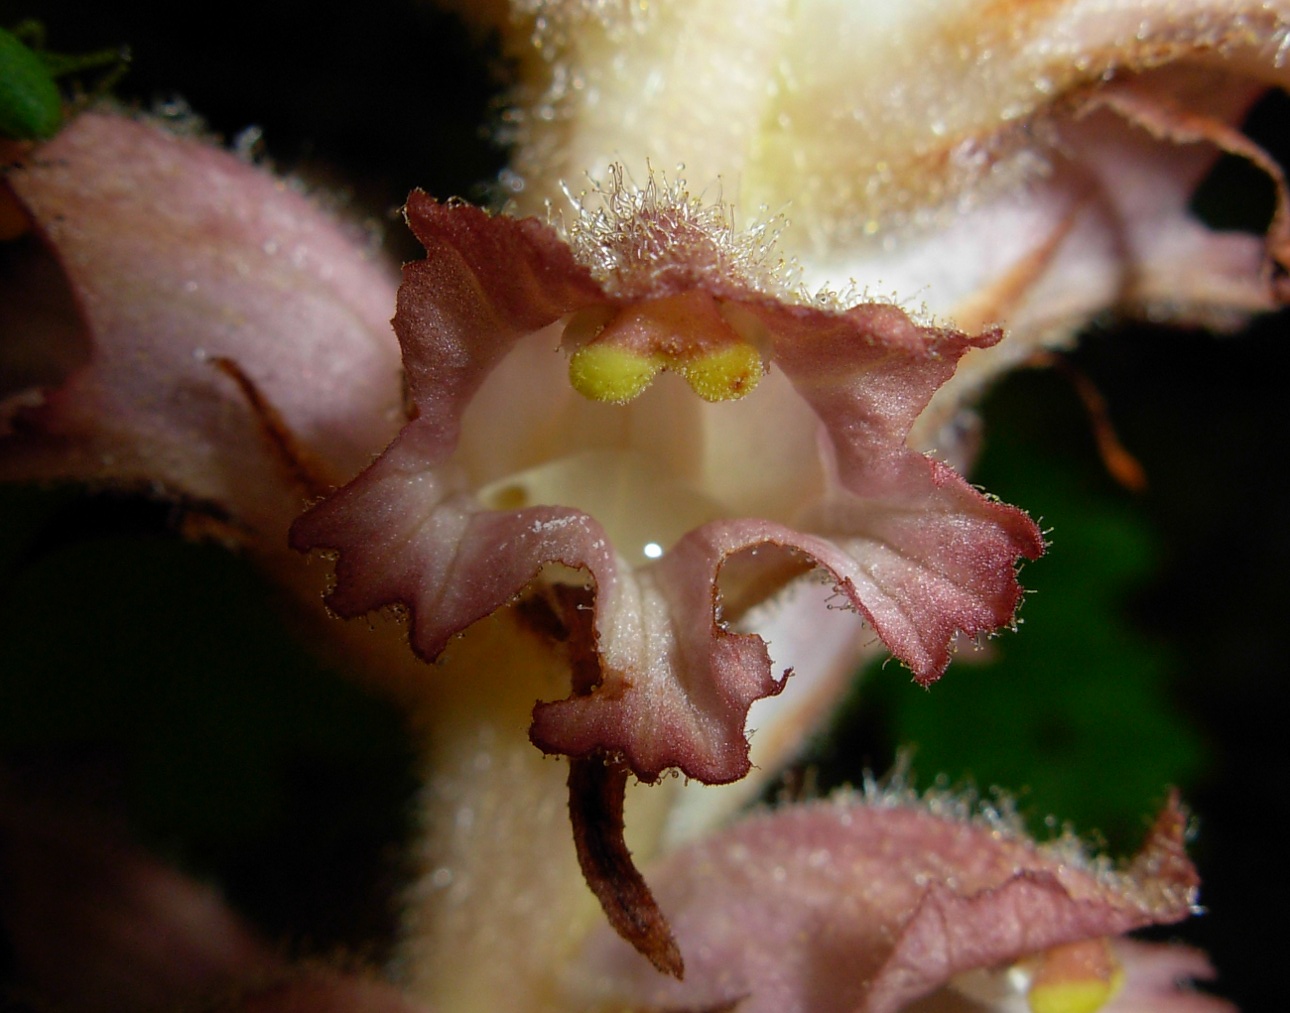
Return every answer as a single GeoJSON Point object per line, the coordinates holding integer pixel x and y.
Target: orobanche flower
{"type": "Point", "coordinates": [651, 501]}
{"type": "Point", "coordinates": [668, 469]}
{"type": "Point", "coordinates": [850, 905]}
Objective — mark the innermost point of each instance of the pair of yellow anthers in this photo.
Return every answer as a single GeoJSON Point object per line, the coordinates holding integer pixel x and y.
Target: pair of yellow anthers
{"type": "Point", "coordinates": [616, 353]}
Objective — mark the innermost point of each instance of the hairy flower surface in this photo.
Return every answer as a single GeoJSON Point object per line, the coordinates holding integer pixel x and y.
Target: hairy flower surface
{"type": "Point", "coordinates": [810, 468]}
{"type": "Point", "coordinates": [1024, 164]}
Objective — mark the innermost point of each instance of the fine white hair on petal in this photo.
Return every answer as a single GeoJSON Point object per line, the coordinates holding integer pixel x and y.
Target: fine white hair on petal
{"type": "Point", "coordinates": [623, 231]}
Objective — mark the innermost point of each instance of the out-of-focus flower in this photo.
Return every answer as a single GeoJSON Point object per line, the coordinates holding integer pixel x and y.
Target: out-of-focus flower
{"type": "Point", "coordinates": [571, 529]}
{"type": "Point", "coordinates": [155, 287]}
{"type": "Point", "coordinates": [1025, 165]}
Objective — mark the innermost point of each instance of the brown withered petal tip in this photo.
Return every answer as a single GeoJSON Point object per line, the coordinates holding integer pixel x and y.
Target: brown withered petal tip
{"type": "Point", "coordinates": [596, 790]}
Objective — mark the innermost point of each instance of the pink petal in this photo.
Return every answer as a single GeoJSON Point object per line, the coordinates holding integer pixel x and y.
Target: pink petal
{"type": "Point", "coordinates": [201, 282]}
{"type": "Point", "coordinates": [677, 684]}
{"type": "Point", "coordinates": [868, 906]}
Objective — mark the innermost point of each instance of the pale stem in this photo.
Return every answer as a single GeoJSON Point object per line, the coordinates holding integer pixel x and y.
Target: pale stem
{"type": "Point", "coordinates": [499, 903]}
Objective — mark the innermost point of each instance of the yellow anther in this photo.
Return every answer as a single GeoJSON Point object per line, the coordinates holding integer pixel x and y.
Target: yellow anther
{"type": "Point", "coordinates": [1076, 978]}
{"type": "Point", "coordinates": [1073, 996]}
{"type": "Point", "coordinates": [726, 374]}
{"type": "Point", "coordinates": [612, 373]}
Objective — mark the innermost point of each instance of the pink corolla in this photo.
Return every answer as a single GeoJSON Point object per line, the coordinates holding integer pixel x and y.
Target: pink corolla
{"type": "Point", "coordinates": [810, 469]}
{"type": "Point", "coordinates": [668, 470]}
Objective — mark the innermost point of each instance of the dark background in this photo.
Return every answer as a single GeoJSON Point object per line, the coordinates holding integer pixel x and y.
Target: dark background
{"type": "Point", "coordinates": [155, 675]}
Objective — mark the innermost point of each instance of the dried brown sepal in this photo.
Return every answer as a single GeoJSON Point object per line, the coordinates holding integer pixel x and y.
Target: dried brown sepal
{"type": "Point", "coordinates": [596, 790]}
{"type": "Point", "coordinates": [1118, 461]}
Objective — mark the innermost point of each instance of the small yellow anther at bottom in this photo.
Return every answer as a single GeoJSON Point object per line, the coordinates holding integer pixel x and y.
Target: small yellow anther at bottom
{"type": "Point", "coordinates": [1073, 996]}
{"type": "Point", "coordinates": [1076, 978]}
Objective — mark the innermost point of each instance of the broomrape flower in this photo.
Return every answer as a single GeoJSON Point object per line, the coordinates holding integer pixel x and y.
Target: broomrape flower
{"type": "Point", "coordinates": [657, 434]}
